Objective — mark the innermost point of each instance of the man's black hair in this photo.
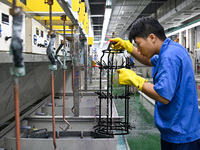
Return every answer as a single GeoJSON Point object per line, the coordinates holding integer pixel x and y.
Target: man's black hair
{"type": "Point", "coordinates": [144, 26]}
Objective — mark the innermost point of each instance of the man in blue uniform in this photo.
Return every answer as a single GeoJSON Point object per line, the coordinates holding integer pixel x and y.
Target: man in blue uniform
{"type": "Point", "coordinates": [176, 109]}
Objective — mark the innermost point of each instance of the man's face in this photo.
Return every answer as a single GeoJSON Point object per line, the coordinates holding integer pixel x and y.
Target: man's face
{"type": "Point", "coordinates": [145, 46]}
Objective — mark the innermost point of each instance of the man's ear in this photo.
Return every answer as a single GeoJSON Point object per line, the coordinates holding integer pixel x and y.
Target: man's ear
{"type": "Point", "coordinates": [152, 37]}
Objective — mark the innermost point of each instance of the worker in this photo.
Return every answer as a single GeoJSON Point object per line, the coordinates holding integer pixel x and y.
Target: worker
{"type": "Point", "coordinates": [132, 63]}
{"type": "Point", "coordinates": [176, 112]}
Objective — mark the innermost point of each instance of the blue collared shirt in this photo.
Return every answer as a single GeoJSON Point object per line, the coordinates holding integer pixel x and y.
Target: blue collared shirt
{"type": "Point", "coordinates": [179, 120]}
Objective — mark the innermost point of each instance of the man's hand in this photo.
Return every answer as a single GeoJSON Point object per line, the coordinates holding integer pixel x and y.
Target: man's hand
{"type": "Point", "coordinates": [122, 44]}
{"type": "Point", "coordinates": [129, 77]}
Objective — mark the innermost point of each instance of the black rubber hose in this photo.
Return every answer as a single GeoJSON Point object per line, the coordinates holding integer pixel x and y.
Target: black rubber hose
{"type": "Point", "coordinates": [60, 46]}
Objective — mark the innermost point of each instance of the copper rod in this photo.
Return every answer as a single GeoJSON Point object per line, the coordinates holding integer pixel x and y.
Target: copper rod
{"type": "Point", "coordinates": [17, 114]}
{"type": "Point", "coordinates": [50, 17]}
{"type": "Point", "coordinates": [73, 88]}
{"type": "Point", "coordinates": [72, 37]}
{"type": "Point", "coordinates": [14, 4]}
{"type": "Point", "coordinates": [64, 104]}
{"type": "Point", "coordinates": [64, 19]}
{"type": "Point", "coordinates": [64, 32]}
{"type": "Point", "coordinates": [53, 110]}
{"type": "Point", "coordinates": [64, 95]}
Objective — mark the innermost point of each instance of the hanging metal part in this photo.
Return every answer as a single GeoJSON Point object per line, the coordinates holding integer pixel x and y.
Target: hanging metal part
{"type": "Point", "coordinates": [53, 66]}
{"type": "Point", "coordinates": [51, 53]}
{"type": "Point", "coordinates": [64, 67]}
{"type": "Point", "coordinates": [53, 110]}
{"type": "Point", "coordinates": [72, 109]}
{"type": "Point", "coordinates": [85, 64]}
{"type": "Point", "coordinates": [18, 68]}
{"type": "Point", "coordinates": [76, 71]}
{"type": "Point", "coordinates": [72, 55]}
{"type": "Point", "coordinates": [16, 43]}
{"type": "Point", "coordinates": [81, 94]}
{"type": "Point", "coordinates": [64, 105]}
{"type": "Point", "coordinates": [50, 49]}
{"type": "Point", "coordinates": [17, 113]}
{"type": "Point", "coordinates": [106, 125]}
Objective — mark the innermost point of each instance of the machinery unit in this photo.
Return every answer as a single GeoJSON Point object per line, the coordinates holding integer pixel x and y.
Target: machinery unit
{"type": "Point", "coordinates": [6, 28]}
{"type": "Point", "coordinates": [37, 37]}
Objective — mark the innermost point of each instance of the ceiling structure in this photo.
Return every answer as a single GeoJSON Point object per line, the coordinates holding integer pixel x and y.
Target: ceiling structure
{"type": "Point", "coordinates": [177, 13]}
{"type": "Point", "coordinates": [170, 13]}
{"type": "Point", "coordinates": [124, 12]}
{"type": "Point", "coordinates": [97, 9]}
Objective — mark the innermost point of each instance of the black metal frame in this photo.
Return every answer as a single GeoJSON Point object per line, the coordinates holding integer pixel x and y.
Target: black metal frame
{"type": "Point", "coordinates": [107, 125]}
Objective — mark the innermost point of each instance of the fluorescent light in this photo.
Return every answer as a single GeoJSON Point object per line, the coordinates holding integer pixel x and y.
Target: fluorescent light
{"type": "Point", "coordinates": [105, 24]}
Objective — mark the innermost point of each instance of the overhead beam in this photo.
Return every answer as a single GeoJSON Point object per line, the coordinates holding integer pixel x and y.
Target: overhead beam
{"type": "Point", "coordinates": [36, 13]}
{"type": "Point", "coordinates": [97, 3]}
{"type": "Point", "coordinates": [97, 30]}
{"type": "Point", "coordinates": [65, 7]}
{"type": "Point", "coordinates": [95, 25]}
{"type": "Point", "coordinates": [96, 15]}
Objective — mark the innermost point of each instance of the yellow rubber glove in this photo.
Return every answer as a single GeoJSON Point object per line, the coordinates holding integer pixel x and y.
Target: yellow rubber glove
{"type": "Point", "coordinates": [93, 62]}
{"type": "Point", "coordinates": [122, 44]}
{"type": "Point", "coordinates": [129, 77]}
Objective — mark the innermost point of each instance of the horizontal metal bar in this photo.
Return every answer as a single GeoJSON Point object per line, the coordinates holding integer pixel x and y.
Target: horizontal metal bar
{"type": "Point", "coordinates": [28, 57]}
{"type": "Point", "coordinates": [65, 6]}
{"type": "Point", "coordinates": [96, 25]}
{"type": "Point", "coordinates": [97, 3]}
{"type": "Point", "coordinates": [96, 15]}
{"type": "Point", "coordinates": [35, 13]}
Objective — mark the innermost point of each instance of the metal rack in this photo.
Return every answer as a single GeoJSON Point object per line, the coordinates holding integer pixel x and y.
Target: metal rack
{"type": "Point", "coordinates": [106, 124]}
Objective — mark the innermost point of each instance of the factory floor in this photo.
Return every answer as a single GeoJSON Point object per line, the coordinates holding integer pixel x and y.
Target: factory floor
{"type": "Point", "coordinates": [145, 136]}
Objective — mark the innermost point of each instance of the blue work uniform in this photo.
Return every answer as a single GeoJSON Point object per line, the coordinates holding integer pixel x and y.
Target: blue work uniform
{"type": "Point", "coordinates": [155, 62]}
{"type": "Point", "coordinates": [179, 120]}
{"type": "Point", "coordinates": [132, 63]}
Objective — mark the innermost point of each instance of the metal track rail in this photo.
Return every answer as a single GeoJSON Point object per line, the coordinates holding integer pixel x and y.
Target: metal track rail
{"type": "Point", "coordinates": [24, 114]}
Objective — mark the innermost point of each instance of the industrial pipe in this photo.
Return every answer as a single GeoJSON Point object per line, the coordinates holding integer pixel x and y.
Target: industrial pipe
{"type": "Point", "coordinates": [53, 66]}
{"type": "Point", "coordinates": [18, 68]}
{"type": "Point", "coordinates": [17, 114]}
{"type": "Point", "coordinates": [50, 48]}
{"type": "Point", "coordinates": [53, 110]}
{"type": "Point", "coordinates": [64, 68]}
{"type": "Point", "coordinates": [72, 109]}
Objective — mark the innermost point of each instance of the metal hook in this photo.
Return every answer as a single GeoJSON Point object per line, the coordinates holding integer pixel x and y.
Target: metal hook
{"type": "Point", "coordinates": [67, 125]}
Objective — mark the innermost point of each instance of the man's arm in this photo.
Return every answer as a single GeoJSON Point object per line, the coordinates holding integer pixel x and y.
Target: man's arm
{"type": "Point", "coordinates": [144, 60]}
{"type": "Point", "coordinates": [149, 91]}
